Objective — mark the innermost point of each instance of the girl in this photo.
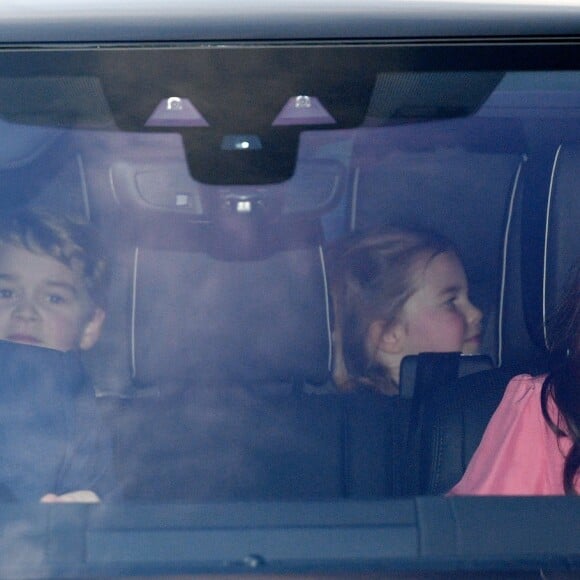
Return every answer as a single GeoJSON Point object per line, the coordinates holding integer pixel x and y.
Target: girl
{"type": "Point", "coordinates": [397, 292]}
{"type": "Point", "coordinates": [532, 443]}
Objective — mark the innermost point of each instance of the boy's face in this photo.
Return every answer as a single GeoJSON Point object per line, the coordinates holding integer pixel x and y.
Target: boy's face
{"type": "Point", "coordinates": [45, 303]}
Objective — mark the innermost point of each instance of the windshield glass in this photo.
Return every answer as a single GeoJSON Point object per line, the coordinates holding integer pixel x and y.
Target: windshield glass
{"type": "Point", "coordinates": [265, 273]}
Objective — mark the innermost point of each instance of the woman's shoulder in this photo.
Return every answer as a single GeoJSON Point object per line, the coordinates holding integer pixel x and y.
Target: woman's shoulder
{"type": "Point", "coordinates": [520, 408]}
{"type": "Point", "coordinates": [523, 389]}
{"type": "Point", "coordinates": [515, 455]}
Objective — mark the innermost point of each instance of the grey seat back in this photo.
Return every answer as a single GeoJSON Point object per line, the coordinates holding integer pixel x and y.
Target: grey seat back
{"type": "Point", "coordinates": [418, 176]}
{"type": "Point", "coordinates": [206, 358]}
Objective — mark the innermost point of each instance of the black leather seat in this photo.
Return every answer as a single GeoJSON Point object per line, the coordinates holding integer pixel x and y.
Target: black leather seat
{"type": "Point", "coordinates": [452, 428]}
{"type": "Point", "coordinates": [383, 435]}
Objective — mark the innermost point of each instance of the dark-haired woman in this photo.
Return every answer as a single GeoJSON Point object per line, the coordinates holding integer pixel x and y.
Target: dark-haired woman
{"type": "Point", "coordinates": [532, 443]}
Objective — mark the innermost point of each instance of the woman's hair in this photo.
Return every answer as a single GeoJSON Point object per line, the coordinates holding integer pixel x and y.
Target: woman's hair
{"type": "Point", "coordinates": [563, 381]}
{"type": "Point", "coordinates": [371, 277]}
{"type": "Point", "coordinates": [73, 243]}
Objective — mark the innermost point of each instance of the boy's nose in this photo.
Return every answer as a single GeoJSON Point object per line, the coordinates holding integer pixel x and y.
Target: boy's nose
{"type": "Point", "coordinates": [25, 310]}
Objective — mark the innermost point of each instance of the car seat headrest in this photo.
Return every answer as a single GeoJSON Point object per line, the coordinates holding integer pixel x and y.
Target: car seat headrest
{"type": "Point", "coordinates": [562, 219]}
{"type": "Point", "coordinates": [20, 144]}
{"type": "Point", "coordinates": [194, 317]}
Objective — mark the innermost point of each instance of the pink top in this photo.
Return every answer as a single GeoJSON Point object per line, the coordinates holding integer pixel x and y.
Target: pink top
{"type": "Point", "coordinates": [519, 454]}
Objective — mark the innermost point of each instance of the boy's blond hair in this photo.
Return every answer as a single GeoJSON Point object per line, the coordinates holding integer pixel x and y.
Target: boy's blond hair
{"type": "Point", "coordinates": [69, 241]}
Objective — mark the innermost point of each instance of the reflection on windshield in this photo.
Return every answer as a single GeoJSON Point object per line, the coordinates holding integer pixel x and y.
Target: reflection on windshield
{"type": "Point", "coordinates": [211, 351]}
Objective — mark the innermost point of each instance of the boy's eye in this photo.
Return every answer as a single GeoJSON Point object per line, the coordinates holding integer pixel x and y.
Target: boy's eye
{"type": "Point", "coordinates": [57, 299]}
{"type": "Point", "coordinates": [6, 293]}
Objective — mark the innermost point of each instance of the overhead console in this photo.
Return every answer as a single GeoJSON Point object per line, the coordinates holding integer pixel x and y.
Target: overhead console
{"type": "Point", "coordinates": [168, 188]}
{"type": "Point", "coordinates": [239, 112]}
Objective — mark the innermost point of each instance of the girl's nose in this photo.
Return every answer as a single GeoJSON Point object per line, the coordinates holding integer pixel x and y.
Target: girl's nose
{"type": "Point", "coordinates": [474, 315]}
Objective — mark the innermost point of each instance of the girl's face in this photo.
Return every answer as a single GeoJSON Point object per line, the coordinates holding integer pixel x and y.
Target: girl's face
{"type": "Point", "coordinates": [439, 317]}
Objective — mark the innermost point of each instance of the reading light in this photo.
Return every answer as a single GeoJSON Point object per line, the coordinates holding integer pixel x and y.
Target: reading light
{"type": "Point", "coordinates": [303, 110]}
{"type": "Point", "coordinates": [176, 112]}
{"type": "Point", "coordinates": [241, 143]}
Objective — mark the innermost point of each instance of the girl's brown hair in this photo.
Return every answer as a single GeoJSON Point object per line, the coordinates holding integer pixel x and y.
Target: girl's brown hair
{"type": "Point", "coordinates": [371, 277]}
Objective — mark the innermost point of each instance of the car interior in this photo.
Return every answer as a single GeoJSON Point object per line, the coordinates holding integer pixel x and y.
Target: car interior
{"type": "Point", "coordinates": [218, 202]}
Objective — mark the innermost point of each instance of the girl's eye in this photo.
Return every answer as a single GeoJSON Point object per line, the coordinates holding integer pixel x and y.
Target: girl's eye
{"type": "Point", "coordinates": [451, 303]}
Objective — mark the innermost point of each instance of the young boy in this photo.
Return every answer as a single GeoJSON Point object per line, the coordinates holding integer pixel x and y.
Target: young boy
{"type": "Point", "coordinates": [53, 279]}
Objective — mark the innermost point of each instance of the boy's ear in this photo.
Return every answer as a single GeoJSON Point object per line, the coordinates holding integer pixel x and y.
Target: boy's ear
{"type": "Point", "coordinates": [92, 329]}
{"type": "Point", "coordinates": [390, 340]}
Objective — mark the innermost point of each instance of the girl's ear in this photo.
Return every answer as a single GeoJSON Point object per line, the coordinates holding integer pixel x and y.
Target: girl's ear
{"type": "Point", "coordinates": [388, 340]}
{"type": "Point", "coordinates": [92, 330]}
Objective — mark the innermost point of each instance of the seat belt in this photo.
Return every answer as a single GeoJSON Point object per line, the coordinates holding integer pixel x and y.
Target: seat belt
{"type": "Point", "coordinates": [431, 372]}
{"type": "Point", "coordinates": [423, 379]}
